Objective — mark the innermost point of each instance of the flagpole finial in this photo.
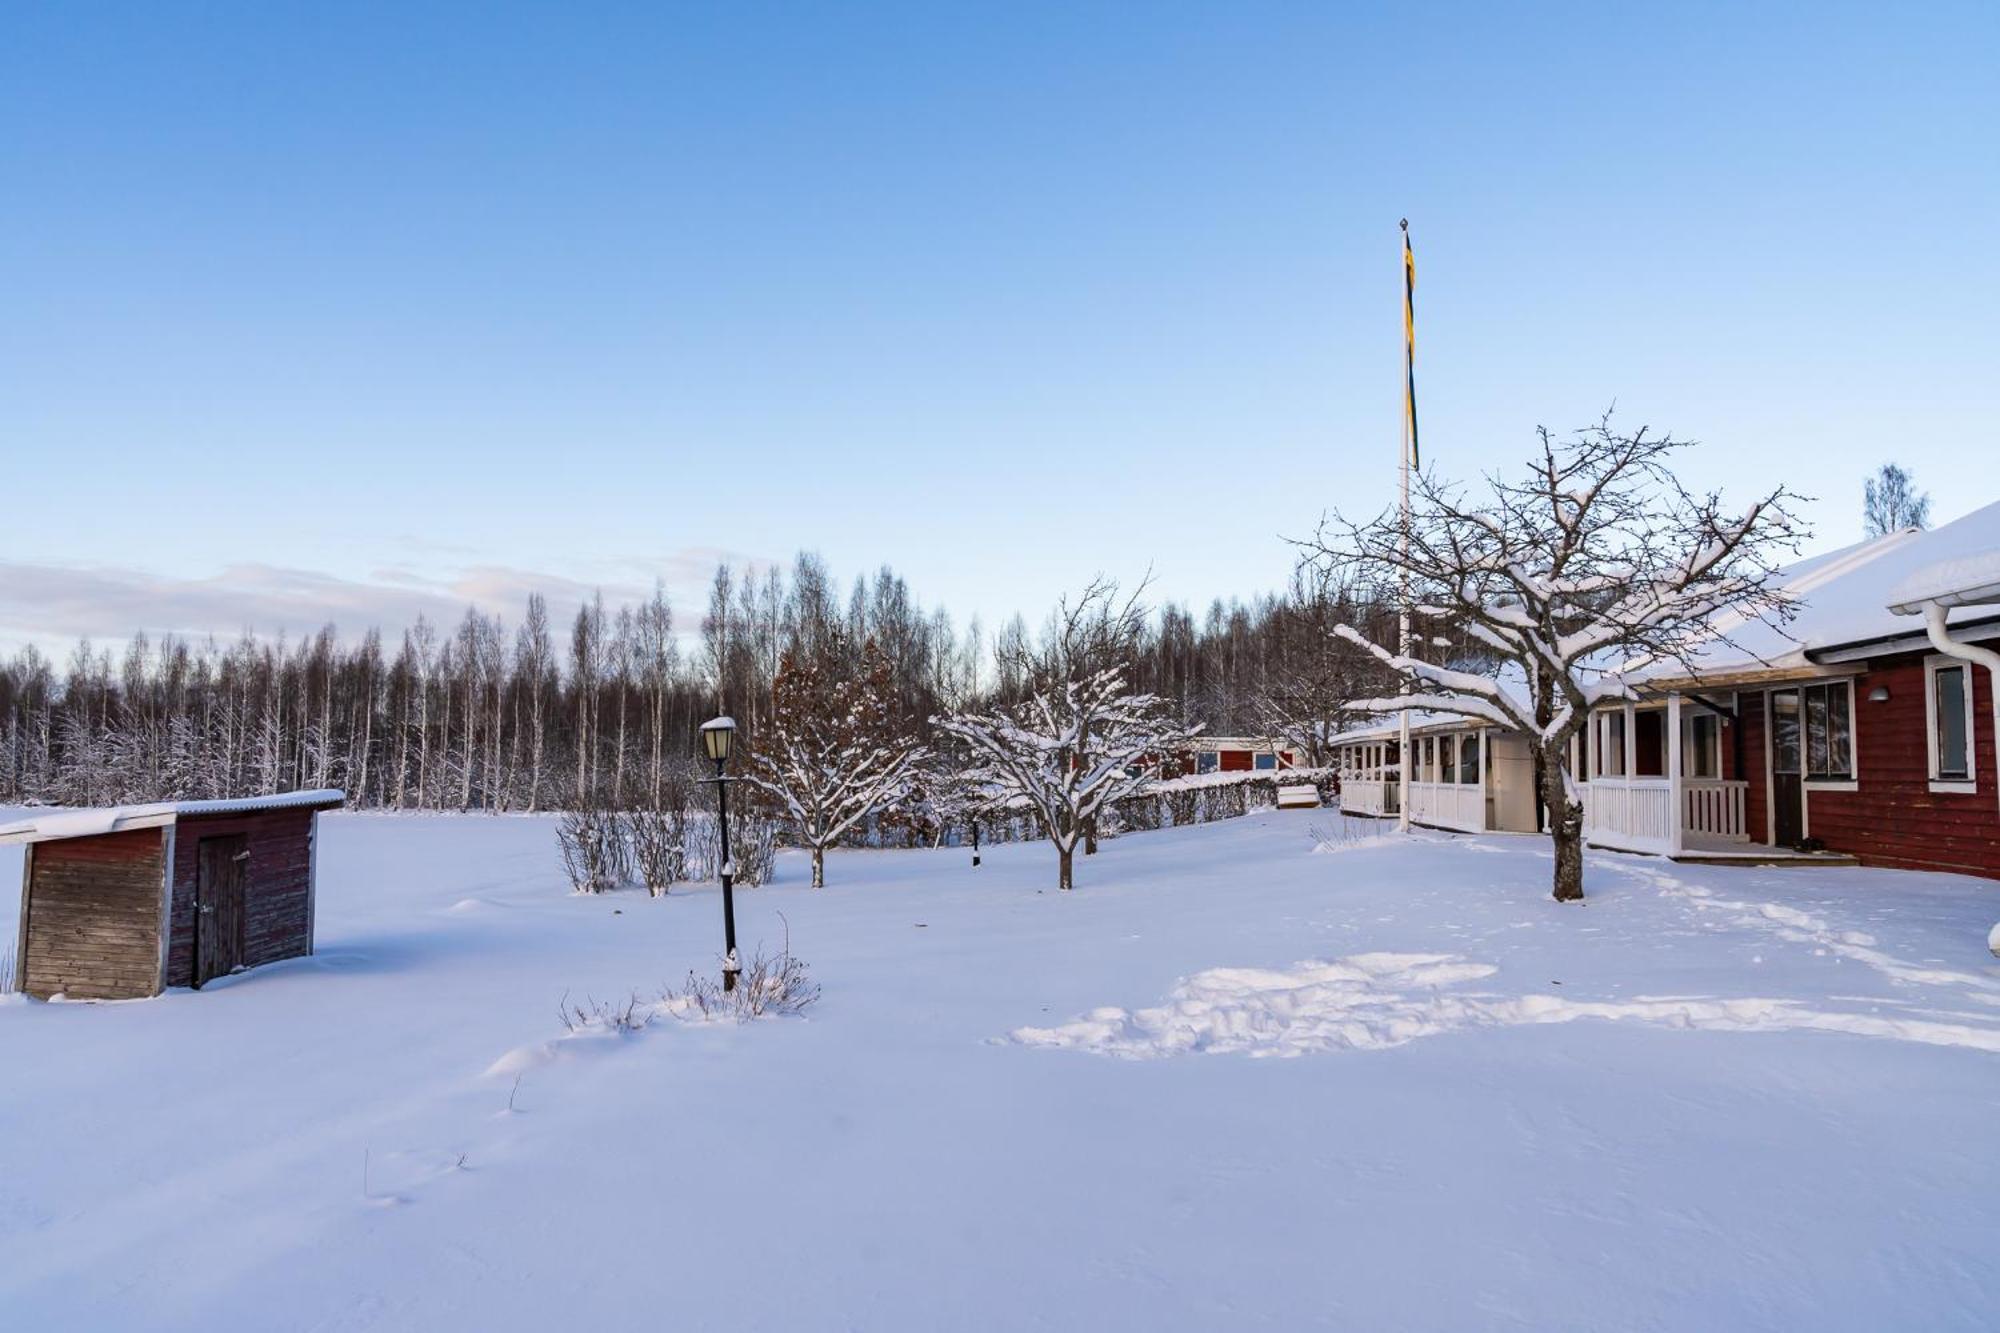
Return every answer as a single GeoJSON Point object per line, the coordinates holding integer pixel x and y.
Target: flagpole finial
{"type": "Point", "coordinates": [1405, 225]}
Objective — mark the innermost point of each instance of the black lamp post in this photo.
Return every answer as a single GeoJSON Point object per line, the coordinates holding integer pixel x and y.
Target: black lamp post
{"type": "Point", "coordinates": [716, 735]}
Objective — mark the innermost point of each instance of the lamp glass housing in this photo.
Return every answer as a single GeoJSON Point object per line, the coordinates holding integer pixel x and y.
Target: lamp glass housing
{"type": "Point", "coordinates": [716, 736]}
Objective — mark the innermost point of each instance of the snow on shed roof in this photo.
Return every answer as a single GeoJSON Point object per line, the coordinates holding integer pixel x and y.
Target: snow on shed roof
{"type": "Point", "coordinates": [123, 818]}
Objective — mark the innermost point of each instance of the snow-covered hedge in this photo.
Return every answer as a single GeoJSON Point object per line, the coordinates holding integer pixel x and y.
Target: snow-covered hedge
{"type": "Point", "coordinates": [1166, 803]}
{"type": "Point", "coordinates": [1206, 797]}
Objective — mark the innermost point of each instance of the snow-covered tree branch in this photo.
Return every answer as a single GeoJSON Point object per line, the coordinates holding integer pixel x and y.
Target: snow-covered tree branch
{"type": "Point", "coordinates": [1596, 561]}
{"type": "Point", "coordinates": [832, 755]}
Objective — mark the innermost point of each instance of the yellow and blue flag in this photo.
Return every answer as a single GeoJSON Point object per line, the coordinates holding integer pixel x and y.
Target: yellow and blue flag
{"type": "Point", "coordinates": [1410, 348]}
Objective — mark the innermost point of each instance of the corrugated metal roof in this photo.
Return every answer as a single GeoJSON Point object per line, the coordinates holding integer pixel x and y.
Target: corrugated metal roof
{"type": "Point", "coordinates": [123, 818]}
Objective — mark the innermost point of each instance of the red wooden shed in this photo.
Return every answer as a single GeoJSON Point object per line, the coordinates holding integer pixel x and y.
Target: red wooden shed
{"type": "Point", "coordinates": [123, 902]}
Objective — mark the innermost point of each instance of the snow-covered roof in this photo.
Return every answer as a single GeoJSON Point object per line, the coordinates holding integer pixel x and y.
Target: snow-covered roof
{"type": "Point", "coordinates": [1966, 580]}
{"type": "Point", "coordinates": [123, 818]}
{"type": "Point", "coordinates": [1859, 594]}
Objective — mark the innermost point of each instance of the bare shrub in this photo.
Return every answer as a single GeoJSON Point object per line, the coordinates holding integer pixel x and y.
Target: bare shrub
{"type": "Point", "coordinates": [6, 969]}
{"type": "Point", "coordinates": [779, 984]}
{"type": "Point", "coordinates": [656, 838]}
{"type": "Point", "coordinates": [753, 846]}
{"type": "Point", "coordinates": [630, 1016]}
{"type": "Point", "coordinates": [595, 854]}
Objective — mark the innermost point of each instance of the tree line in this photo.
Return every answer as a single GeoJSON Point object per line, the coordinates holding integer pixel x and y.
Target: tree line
{"type": "Point", "coordinates": [531, 715]}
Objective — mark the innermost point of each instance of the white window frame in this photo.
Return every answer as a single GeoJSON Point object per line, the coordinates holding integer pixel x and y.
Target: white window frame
{"type": "Point", "coordinates": [1711, 753]}
{"type": "Point", "coordinates": [1969, 784]}
{"type": "Point", "coordinates": [1851, 783]}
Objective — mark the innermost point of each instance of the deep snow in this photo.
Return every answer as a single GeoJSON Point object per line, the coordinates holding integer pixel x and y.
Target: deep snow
{"type": "Point", "coordinates": [1708, 1098]}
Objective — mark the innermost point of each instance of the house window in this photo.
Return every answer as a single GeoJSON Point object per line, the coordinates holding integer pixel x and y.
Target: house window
{"type": "Point", "coordinates": [1468, 760]}
{"type": "Point", "coordinates": [1206, 760]}
{"type": "Point", "coordinates": [1266, 761]}
{"type": "Point", "coordinates": [1443, 771]}
{"type": "Point", "coordinates": [1829, 731]}
{"type": "Point", "coordinates": [1702, 755]}
{"type": "Point", "coordinates": [1949, 703]}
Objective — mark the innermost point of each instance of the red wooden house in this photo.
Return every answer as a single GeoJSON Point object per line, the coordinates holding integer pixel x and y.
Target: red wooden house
{"type": "Point", "coordinates": [1864, 730]}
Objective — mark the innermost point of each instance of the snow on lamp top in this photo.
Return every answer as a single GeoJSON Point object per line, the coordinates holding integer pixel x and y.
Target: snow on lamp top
{"type": "Point", "coordinates": [716, 734]}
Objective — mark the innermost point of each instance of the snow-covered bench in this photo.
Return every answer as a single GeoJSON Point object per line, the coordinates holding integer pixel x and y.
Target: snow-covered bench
{"type": "Point", "coordinates": [1298, 796]}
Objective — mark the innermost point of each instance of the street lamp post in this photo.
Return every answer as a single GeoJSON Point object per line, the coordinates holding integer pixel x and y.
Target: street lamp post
{"type": "Point", "coordinates": [716, 735]}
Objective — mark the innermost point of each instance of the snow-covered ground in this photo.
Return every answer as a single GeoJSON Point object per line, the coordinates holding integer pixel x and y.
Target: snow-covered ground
{"type": "Point", "coordinates": [1707, 1099]}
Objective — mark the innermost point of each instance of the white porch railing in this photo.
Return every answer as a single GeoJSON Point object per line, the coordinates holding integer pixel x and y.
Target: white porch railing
{"type": "Point", "coordinates": [1365, 796]}
{"type": "Point", "coordinates": [1456, 805]}
{"type": "Point", "coordinates": [1712, 808]}
{"type": "Point", "coordinates": [1635, 814]}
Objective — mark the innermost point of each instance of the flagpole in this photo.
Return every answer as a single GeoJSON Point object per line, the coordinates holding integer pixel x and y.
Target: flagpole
{"type": "Point", "coordinates": [1403, 574]}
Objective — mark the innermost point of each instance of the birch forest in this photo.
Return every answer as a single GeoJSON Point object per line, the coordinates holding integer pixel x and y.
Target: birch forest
{"type": "Point", "coordinates": [601, 710]}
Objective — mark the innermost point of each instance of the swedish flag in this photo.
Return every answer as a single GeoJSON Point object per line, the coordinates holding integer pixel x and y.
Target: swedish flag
{"type": "Point", "coordinates": [1410, 348]}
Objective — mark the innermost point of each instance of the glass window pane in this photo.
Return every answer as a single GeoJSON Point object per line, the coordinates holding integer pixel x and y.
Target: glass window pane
{"type": "Point", "coordinates": [1839, 731]}
{"type": "Point", "coordinates": [1708, 746]}
{"type": "Point", "coordinates": [1785, 731]}
{"type": "Point", "coordinates": [1266, 761]}
{"type": "Point", "coordinates": [1950, 685]}
{"type": "Point", "coordinates": [1468, 760]}
{"type": "Point", "coordinates": [1815, 699]}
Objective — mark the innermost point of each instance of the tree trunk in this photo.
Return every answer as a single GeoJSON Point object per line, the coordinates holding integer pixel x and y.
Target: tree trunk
{"type": "Point", "coordinates": [1565, 827]}
{"type": "Point", "coordinates": [1065, 856]}
{"type": "Point", "coordinates": [819, 867]}
{"type": "Point", "coordinates": [1089, 839]}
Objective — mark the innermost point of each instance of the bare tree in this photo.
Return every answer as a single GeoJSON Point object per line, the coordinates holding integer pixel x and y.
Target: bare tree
{"type": "Point", "coordinates": [1082, 738]}
{"type": "Point", "coordinates": [831, 755]}
{"type": "Point", "coordinates": [1890, 502]}
{"type": "Point", "coordinates": [1596, 556]}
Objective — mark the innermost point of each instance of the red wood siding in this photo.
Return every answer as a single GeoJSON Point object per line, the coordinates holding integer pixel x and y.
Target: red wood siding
{"type": "Point", "coordinates": [277, 887]}
{"type": "Point", "coordinates": [1757, 796]}
{"type": "Point", "coordinates": [1234, 761]}
{"type": "Point", "coordinates": [1895, 819]}
{"type": "Point", "coordinates": [94, 916]}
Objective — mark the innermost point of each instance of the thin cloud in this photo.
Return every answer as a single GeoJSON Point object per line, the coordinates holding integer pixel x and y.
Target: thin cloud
{"type": "Point", "coordinates": [55, 603]}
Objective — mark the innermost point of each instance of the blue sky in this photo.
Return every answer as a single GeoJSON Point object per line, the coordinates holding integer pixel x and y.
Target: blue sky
{"type": "Point", "coordinates": [366, 310]}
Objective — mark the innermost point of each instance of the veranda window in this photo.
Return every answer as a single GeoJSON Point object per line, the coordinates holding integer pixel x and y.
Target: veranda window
{"type": "Point", "coordinates": [1610, 745]}
{"type": "Point", "coordinates": [1702, 756]}
{"type": "Point", "coordinates": [1649, 751]}
{"type": "Point", "coordinates": [1468, 760]}
{"type": "Point", "coordinates": [1443, 771]}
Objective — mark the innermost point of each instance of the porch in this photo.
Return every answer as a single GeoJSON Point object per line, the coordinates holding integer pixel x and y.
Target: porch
{"type": "Point", "coordinates": [1659, 781]}
{"type": "Point", "coordinates": [1667, 816]}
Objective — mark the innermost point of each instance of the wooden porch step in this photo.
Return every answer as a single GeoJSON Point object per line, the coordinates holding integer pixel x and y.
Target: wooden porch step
{"type": "Point", "coordinates": [1766, 856]}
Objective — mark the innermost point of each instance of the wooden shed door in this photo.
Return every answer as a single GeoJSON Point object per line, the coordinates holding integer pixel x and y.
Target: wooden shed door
{"type": "Point", "coordinates": [218, 920]}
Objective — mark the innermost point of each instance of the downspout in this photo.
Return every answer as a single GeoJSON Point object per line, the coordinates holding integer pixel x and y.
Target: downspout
{"type": "Point", "coordinates": [1937, 627]}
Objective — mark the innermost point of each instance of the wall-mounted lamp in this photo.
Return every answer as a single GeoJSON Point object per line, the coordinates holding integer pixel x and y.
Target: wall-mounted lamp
{"type": "Point", "coordinates": [1879, 695]}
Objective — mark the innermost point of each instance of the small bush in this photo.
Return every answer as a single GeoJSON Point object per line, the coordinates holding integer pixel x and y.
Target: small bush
{"type": "Point", "coordinates": [628, 1017]}
{"type": "Point", "coordinates": [595, 853]}
{"type": "Point", "coordinates": [657, 839]}
{"type": "Point", "coordinates": [769, 984]}
{"type": "Point", "coordinates": [6, 969]}
{"type": "Point", "coordinates": [753, 845]}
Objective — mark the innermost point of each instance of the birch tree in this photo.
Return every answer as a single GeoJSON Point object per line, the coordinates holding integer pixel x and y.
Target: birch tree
{"type": "Point", "coordinates": [1594, 561]}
